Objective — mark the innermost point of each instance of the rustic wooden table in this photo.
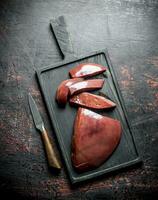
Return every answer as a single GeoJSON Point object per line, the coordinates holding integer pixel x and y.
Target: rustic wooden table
{"type": "Point", "coordinates": [129, 30]}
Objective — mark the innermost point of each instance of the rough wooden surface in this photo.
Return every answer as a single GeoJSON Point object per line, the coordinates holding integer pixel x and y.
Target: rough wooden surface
{"type": "Point", "coordinates": [129, 29]}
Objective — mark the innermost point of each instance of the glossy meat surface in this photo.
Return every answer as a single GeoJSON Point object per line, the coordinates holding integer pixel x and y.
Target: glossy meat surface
{"type": "Point", "coordinates": [86, 70]}
{"type": "Point", "coordinates": [95, 138]}
{"type": "Point", "coordinates": [63, 90]}
{"type": "Point", "coordinates": [87, 85]}
{"type": "Point", "coordinates": [88, 100]}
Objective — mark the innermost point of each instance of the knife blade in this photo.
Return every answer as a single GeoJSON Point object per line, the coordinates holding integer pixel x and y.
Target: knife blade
{"type": "Point", "coordinates": [35, 113]}
{"type": "Point", "coordinates": [39, 124]}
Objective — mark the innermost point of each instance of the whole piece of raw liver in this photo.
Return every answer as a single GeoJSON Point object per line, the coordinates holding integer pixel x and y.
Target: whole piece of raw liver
{"type": "Point", "coordinates": [94, 140]}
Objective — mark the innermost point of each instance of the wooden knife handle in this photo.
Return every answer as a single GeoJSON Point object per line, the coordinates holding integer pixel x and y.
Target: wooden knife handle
{"type": "Point", "coordinates": [52, 159]}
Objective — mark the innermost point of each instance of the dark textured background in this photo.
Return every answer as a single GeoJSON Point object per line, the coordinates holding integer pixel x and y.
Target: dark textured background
{"type": "Point", "coordinates": [129, 30]}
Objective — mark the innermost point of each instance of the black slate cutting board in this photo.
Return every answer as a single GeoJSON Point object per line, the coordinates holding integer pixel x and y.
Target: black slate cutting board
{"type": "Point", "coordinates": [63, 118]}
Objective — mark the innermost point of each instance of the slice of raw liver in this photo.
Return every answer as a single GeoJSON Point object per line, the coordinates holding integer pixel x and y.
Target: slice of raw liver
{"type": "Point", "coordinates": [86, 70]}
{"type": "Point", "coordinates": [87, 85]}
{"type": "Point", "coordinates": [95, 138]}
{"type": "Point", "coordinates": [88, 100]}
{"type": "Point", "coordinates": [63, 90]}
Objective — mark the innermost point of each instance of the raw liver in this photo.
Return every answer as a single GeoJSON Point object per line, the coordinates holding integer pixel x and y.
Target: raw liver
{"type": "Point", "coordinates": [95, 138]}
{"type": "Point", "coordinates": [63, 90]}
{"type": "Point", "coordinates": [86, 70]}
{"type": "Point", "coordinates": [88, 100]}
{"type": "Point", "coordinates": [87, 85]}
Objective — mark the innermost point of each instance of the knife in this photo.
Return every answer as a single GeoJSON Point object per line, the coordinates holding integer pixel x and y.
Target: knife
{"type": "Point", "coordinates": [52, 159]}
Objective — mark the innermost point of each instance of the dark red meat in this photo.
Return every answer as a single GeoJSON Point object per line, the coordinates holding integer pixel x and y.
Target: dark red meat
{"type": "Point", "coordinates": [95, 138]}
{"type": "Point", "coordinates": [86, 70]}
{"type": "Point", "coordinates": [93, 101]}
{"type": "Point", "coordinates": [63, 90]}
{"type": "Point", "coordinates": [86, 85]}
